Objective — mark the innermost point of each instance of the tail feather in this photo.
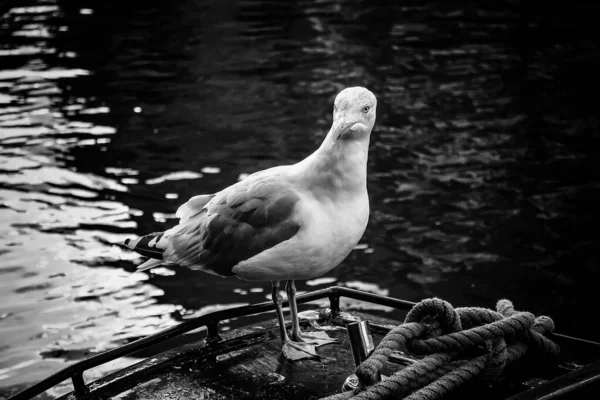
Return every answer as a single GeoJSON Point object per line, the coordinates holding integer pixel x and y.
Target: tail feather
{"type": "Point", "coordinates": [147, 246]}
{"type": "Point", "coordinates": [151, 263]}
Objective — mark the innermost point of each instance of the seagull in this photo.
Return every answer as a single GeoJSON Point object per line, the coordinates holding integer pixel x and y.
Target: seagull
{"type": "Point", "coordinates": [285, 223]}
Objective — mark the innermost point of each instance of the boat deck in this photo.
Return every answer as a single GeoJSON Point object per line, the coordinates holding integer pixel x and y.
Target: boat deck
{"type": "Point", "coordinates": [253, 368]}
{"type": "Point", "coordinates": [248, 364]}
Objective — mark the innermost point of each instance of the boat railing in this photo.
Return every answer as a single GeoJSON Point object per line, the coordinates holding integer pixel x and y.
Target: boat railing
{"type": "Point", "coordinates": [211, 322]}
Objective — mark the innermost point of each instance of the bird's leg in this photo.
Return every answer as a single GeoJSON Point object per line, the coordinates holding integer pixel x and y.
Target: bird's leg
{"type": "Point", "coordinates": [316, 338]}
{"type": "Point", "coordinates": [292, 351]}
{"type": "Point", "coordinates": [290, 289]}
{"type": "Point", "coordinates": [278, 299]}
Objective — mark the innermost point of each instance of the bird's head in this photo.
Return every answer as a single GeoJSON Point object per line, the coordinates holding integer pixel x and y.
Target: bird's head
{"type": "Point", "coordinates": [353, 114]}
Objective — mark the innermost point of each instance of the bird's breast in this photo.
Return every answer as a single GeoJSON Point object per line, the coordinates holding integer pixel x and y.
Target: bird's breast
{"type": "Point", "coordinates": [335, 227]}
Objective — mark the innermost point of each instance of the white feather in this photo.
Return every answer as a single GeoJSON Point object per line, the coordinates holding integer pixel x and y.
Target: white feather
{"type": "Point", "coordinates": [151, 263]}
{"type": "Point", "coordinates": [192, 207]}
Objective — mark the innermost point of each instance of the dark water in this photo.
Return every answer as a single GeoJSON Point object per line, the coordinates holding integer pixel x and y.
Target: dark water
{"type": "Point", "coordinates": [483, 171]}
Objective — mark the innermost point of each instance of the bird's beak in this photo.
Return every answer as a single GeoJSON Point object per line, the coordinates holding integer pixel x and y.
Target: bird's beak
{"type": "Point", "coordinates": [341, 126]}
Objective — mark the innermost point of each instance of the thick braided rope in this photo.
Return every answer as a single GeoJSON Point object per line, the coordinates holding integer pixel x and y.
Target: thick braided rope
{"type": "Point", "coordinates": [436, 375]}
{"type": "Point", "coordinates": [404, 381]}
{"type": "Point", "coordinates": [476, 316]}
{"type": "Point", "coordinates": [395, 340]}
{"type": "Point", "coordinates": [446, 383]}
{"type": "Point", "coordinates": [418, 322]}
{"type": "Point", "coordinates": [439, 379]}
{"type": "Point", "coordinates": [534, 336]}
{"type": "Point", "coordinates": [507, 327]}
{"type": "Point", "coordinates": [498, 358]}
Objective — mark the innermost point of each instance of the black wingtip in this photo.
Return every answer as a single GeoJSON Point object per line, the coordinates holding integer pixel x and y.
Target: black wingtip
{"type": "Point", "coordinates": [143, 247]}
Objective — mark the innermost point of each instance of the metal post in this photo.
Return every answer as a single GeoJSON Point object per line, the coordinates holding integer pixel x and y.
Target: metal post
{"type": "Point", "coordinates": [212, 335]}
{"type": "Point", "coordinates": [79, 384]}
{"type": "Point", "coordinates": [362, 345]}
{"type": "Point", "coordinates": [334, 302]}
{"type": "Point", "coordinates": [360, 340]}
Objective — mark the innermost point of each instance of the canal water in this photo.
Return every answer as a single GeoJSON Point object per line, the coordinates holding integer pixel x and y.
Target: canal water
{"type": "Point", "coordinates": [483, 169]}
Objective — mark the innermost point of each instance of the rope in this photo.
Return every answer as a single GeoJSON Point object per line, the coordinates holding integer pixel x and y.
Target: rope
{"type": "Point", "coordinates": [441, 333]}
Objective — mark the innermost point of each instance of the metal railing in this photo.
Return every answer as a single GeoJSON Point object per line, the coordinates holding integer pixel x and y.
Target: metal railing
{"type": "Point", "coordinates": [210, 321]}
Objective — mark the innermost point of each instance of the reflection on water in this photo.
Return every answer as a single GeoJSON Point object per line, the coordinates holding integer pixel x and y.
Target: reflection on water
{"type": "Point", "coordinates": [61, 297]}
{"type": "Point", "coordinates": [482, 174]}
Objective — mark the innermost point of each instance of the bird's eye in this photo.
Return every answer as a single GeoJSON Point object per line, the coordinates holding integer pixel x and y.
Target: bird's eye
{"type": "Point", "coordinates": [366, 109]}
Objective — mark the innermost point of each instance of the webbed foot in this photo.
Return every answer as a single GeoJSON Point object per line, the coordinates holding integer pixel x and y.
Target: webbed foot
{"type": "Point", "coordinates": [317, 338]}
{"type": "Point", "coordinates": [294, 351]}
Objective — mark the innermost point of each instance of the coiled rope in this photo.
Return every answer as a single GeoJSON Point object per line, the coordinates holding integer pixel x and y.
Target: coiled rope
{"type": "Point", "coordinates": [435, 329]}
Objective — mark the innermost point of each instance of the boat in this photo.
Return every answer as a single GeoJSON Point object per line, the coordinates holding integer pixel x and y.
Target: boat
{"type": "Point", "coordinates": [246, 363]}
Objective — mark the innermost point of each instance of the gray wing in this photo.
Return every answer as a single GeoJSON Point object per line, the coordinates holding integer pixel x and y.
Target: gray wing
{"type": "Point", "coordinates": [234, 225]}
